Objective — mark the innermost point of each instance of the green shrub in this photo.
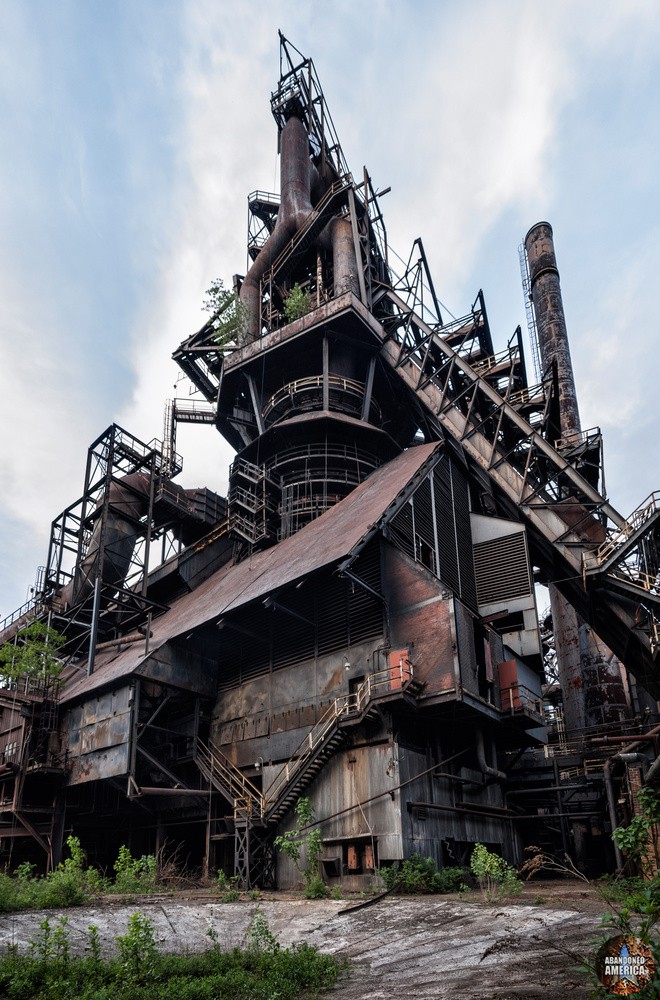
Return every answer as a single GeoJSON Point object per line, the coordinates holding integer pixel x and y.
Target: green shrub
{"type": "Point", "coordinates": [134, 874]}
{"type": "Point", "coordinates": [496, 877]}
{"type": "Point", "coordinates": [420, 875]}
{"type": "Point", "coordinates": [297, 303]}
{"type": "Point", "coordinates": [229, 314]}
{"type": "Point", "coordinates": [138, 955]}
{"type": "Point", "coordinates": [293, 842]}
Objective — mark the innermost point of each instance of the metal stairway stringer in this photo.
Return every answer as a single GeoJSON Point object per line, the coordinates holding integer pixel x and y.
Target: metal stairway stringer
{"type": "Point", "coordinates": [326, 736]}
{"type": "Point", "coordinates": [228, 779]}
{"type": "Point", "coordinates": [567, 517]}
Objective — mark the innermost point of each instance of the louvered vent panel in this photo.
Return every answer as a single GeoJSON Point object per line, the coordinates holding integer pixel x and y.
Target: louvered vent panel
{"type": "Point", "coordinates": [501, 569]}
{"type": "Point", "coordinates": [401, 530]}
{"type": "Point", "coordinates": [365, 612]}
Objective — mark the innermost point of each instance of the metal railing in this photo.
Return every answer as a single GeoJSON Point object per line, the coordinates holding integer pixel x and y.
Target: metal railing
{"type": "Point", "coordinates": [392, 679]}
{"type": "Point", "coordinates": [637, 519]}
{"type": "Point", "coordinates": [315, 383]}
{"type": "Point", "coordinates": [223, 774]}
{"type": "Point", "coordinates": [520, 700]}
{"type": "Point", "coordinates": [248, 801]}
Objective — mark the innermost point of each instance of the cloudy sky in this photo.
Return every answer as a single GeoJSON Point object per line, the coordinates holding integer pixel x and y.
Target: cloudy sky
{"type": "Point", "coordinates": [134, 129]}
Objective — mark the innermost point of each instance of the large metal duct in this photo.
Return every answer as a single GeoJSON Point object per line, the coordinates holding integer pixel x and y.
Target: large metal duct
{"type": "Point", "coordinates": [590, 675]}
{"type": "Point", "coordinates": [343, 257]}
{"type": "Point", "coordinates": [112, 544]}
{"type": "Point", "coordinates": [297, 173]}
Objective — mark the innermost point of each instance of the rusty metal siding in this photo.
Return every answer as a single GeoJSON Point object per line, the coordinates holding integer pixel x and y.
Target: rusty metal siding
{"type": "Point", "coordinates": [420, 617]}
{"type": "Point", "coordinates": [466, 648]}
{"type": "Point", "coordinates": [433, 528]}
{"type": "Point", "coordinates": [98, 734]}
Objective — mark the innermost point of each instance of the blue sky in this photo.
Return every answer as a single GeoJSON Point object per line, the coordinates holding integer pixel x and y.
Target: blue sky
{"type": "Point", "coordinates": [134, 129]}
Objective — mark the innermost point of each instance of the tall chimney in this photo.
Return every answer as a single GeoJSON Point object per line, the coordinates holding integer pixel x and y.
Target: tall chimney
{"type": "Point", "coordinates": [550, 321]}
{"type": "Point", "coordinates": [589, 673]}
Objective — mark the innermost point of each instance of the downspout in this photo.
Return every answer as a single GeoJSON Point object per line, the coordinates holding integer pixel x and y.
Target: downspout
{"type": "Point", "coordinates": [485, 768]}
{"type": "Point", "coordinates": [611, 808]}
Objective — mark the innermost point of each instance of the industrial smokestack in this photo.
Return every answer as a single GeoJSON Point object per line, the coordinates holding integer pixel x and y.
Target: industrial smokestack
{"type": "Point", "coordinates": [590, 675]}
{"type": "Point", "coordinates": [550, 321]}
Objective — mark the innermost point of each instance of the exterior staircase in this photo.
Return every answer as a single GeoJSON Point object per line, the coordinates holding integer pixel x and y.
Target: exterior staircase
{"type": "Point", "coordinates": [256, 812]}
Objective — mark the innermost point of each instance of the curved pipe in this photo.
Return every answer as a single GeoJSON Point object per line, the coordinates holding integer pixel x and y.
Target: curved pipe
{"type": "Point", "coordinates": [297, 175]}
{"type": "Point", "coordinates": [116, 535]}
{"type": "Point", "coordinates": [485, 768]}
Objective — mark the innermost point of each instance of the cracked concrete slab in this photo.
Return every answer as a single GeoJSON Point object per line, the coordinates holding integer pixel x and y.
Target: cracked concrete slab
{"type": "Point", "coordinates": [423, 947]}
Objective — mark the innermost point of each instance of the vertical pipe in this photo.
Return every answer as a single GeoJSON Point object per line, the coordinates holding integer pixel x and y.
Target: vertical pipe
{"type": "Point", "coordinates": [611, 806]}
{"type": "Point", "coordinates": [95, 626]}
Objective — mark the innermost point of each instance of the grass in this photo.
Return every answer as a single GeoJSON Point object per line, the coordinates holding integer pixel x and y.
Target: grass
{"type": "Point", "coordinates": [262, 970]}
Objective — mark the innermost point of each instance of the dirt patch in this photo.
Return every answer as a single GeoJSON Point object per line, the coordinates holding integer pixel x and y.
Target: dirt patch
{"type": "Point", "coordinates": [422, 947]}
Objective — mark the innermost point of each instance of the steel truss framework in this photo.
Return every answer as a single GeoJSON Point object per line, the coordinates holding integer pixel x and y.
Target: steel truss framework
{"type": "Point", "coordinates": [579, 535]}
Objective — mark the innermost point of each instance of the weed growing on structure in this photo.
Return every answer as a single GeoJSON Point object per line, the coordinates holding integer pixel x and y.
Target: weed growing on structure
{"type": "Point", "coordinates": [229, 314]}
{"type": "Point", "coordinates": [259, 936]}
{"type": "Point", "coordinates": [638, 840]}
{"type": "Point", "coordinates": [297, 303]}
{"type": "Point", "coordinates": [497, 879]}
{"type": "Point", "coordinates": [420, 875]}
{"type": "Point", "coordinates": [140, 972]}
{"type": "Point", "coordinates": [33, 654]}
{"type": "Point", "coordinates": [296, 844]}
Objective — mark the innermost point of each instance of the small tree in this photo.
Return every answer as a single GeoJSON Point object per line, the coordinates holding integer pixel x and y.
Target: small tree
{"type": "Point", "coordinates": [496, 877]}
{"type": "Point", "coordinates": [229, 315]}
{"type": "Point", "coordinates": [294, 842]}
{"type": "Point", "coordinates": [34, 654]}
{"type": "Point", "coordinates": [297, 303]}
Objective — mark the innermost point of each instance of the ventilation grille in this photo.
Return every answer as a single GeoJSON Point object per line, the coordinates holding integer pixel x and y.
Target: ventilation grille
{"type": "Point", "coordinates": [502, 569]}
{"type": "Point", "coordinates": [433, 528]}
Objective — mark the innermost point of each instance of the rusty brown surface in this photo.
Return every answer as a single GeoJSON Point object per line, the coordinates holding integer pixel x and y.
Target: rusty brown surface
{"type": "Point", "coordinates": [420, 614]}
{"type": "Point", "coordinates": [328, 539]}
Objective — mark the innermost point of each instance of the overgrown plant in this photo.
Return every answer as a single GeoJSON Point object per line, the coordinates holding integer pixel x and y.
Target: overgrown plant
{"type": "Point", "coordinates": [33, 654]}
{"type": "Point", "coordinates": [303, 847]}
{"type": "Point", "coordinates": [134, 874]}
{"type": "Point", "coordinates": [73, 882]}
{"type": "Point", "coordinates": [229, 314]}
{"type": "Point", "coordinates": [420, 875]}
{"type": "Point", "coordinates": [639, 838]}
{"type": "Point", "coordinates": [634, 909]}
{"type": "Point", "coordinates": [496, 877]}
{"type": "Point", "coordinates": [297, 303]}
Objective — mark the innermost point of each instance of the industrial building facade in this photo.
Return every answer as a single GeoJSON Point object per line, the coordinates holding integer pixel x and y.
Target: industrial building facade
{"type": "Point", "coordinates": [356, 621]}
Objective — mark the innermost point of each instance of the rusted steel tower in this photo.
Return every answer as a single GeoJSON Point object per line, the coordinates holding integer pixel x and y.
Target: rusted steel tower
{"type": "Point", "coordinates": [357, 621]}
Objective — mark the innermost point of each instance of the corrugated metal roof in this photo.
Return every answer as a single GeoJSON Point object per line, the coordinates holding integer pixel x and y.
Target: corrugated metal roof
{"type": "Point", "coordinates": [330, 538]}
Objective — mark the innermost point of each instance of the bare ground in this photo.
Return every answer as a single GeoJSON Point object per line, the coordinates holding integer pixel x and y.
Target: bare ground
{"type": "Point", "coordinates": [399, 947]}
